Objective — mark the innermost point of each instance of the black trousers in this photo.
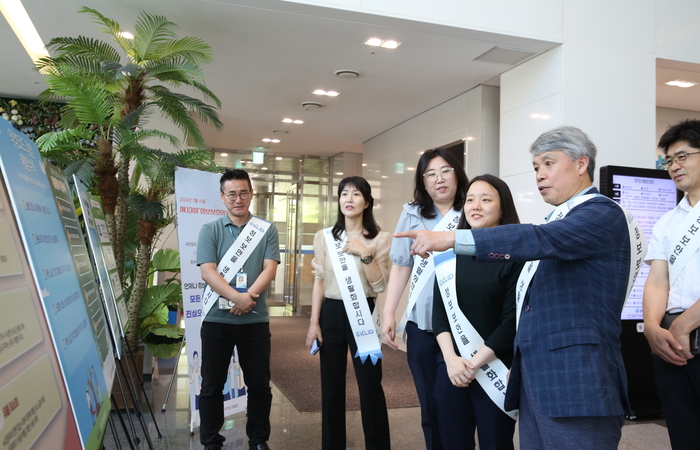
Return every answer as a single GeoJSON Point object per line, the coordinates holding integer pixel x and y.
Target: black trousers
{"type": "Point", "coordinates": [462, 410]}
{"type": "Point", "coordinates": [337, 337]}
{"type": "Point", "coordinates": [253, 343]}
{"type": "Point", "coordinates": [679, 392]}
{"type": "Point", "coordinates": [422, 352]}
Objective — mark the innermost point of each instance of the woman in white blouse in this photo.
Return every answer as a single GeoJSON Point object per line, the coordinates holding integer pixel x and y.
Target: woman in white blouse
{"type": "Point", "coordinates": [368, 249]}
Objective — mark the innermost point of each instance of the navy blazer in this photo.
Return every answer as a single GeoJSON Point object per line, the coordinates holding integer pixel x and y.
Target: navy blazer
{"type": "Point", "coordinates": [569, 330]}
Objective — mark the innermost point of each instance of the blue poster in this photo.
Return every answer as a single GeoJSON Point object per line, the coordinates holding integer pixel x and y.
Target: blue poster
{"type": "Point", "coordinates": [60, 273]}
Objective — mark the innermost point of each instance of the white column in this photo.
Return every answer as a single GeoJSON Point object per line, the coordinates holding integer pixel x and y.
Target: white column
{"type": "Point", "coordinates": [601, 79]}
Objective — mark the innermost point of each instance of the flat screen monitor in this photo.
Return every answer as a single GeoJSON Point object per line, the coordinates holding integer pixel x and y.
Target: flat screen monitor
{"type": "Point", "coordinates": [647, 194]}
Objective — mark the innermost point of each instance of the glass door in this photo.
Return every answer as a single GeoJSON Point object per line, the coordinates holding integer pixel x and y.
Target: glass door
{"type": "Point", "coordinates": [291, 252]}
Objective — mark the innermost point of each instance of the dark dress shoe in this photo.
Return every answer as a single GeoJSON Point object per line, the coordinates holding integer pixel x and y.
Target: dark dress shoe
{"type": "Point", "coordinates": [262, 446]}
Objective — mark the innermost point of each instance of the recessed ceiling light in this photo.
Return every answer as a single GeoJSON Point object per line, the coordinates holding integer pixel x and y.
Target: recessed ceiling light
{"type": "Point", "coordinates": [267, 140]}
{"type": "Point", "coordinates": [275, 141]}
{"type": "Point", "coordinates": [376, 42]}
{"type": "Point", "coordinates": [326, 93]}
{"type": "Point", "coordinates": [364, 164]}
{"type": "Point", "coordinates": [683, 84]}
{"type": "Point", "coordinates": [287, 120]}
{"type": "Point", "coordinates": [224, 154]}
{"type": "Point", "coordinates": [298, 122]}
{"type": "Point", "coordinates": [339, 173]}
{"type": "Point", "coordinates": [385, 176]}
{"type": "Point", "coordinates": [390, 44]}
{"type": "Point", "coordinates": [264, 168]}
{"type": "Point", "coordinates": [126, 35]}
{"type": "Point", "coordinates": [410, 168]}
{"type": "Point", "coordinates": [279, 158]}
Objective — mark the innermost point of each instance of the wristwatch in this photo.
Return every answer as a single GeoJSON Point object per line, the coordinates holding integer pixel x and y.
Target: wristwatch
{"type": "Point", "coordinates": [367, 259]}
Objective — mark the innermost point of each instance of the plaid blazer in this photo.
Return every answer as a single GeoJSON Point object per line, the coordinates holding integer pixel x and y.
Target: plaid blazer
{"type": "Point", "coordinates": [569, 331]}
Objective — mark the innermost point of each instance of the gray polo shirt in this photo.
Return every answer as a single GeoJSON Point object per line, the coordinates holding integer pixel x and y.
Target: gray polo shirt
{"type": "Point", "coordinates": [215, 238]}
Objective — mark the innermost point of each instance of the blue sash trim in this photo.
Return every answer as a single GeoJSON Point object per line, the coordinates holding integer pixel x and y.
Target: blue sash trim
{"type": "Point", "coordinates": [374, 356]}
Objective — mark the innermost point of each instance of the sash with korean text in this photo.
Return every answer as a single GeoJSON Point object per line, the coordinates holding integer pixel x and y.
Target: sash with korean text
{"type": "Point", "coordinates": [684, 242]}
{"type": "Point", "coordinates": [492, 375]}
{"type": "Point", "coordinates": [638, 248]}
{"type": "Point", "coordinates": [424, 268]}
{"type": "Point", "coordinates": [354, 299]}
{"type": "Point", "coordinates": [235, 257]}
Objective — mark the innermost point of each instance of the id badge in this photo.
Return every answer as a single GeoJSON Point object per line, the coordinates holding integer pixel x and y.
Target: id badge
{"type": "Point", "coordinates": [224, 304]}
{"type": "Point", "coordinates": [241, 280]}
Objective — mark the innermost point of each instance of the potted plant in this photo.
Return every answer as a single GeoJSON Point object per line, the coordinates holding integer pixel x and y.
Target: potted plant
{"type": "Point", "coordinates": [109, 92]}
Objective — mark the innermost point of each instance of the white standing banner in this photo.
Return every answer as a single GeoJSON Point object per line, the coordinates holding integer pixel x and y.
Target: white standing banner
{"type": "Point", "coordinates": [198, 202]}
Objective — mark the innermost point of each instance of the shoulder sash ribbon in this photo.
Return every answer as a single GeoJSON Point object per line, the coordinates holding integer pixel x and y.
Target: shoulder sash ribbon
{"type": "Point", "coordinates": [491, 376]}
{"type": "Point", "coordinates": [235, 257]}
{"type": "Point", "coordinates": [356, 307]}
{"type": "Point", "coordinates": [684, 242]}
{"type": "Point", "coordinates": [638, 248]}
{"type": "Point", "coordinates": [424, 268]}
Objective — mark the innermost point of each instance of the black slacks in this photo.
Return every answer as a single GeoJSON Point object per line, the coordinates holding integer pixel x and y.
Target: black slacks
{"type": "Point", "coordinates": [253, 342]}
{"type": "Point", "coordinates": [679, 392]}
{"type": "Point", "coordinates": [337, 337]}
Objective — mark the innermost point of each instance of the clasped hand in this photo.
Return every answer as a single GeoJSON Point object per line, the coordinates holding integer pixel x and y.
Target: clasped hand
{"type": "Point", "coordinates": [460, 371]}
{"type": "Point", "coordinates": [243, 303]}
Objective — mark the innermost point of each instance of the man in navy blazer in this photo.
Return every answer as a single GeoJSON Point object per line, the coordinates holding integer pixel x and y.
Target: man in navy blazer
{"type": "Point", "coordinates": [568, 377]}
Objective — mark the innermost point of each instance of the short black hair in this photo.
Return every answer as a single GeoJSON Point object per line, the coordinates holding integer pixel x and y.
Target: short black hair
{"type": "Point", "coordinates": [420, 194]}
{"type": "Point", "coordinates": [234, 174]}
{"type": "Point", "coordinates": [685, 130]}
{"type": "Point", "coordinates": [509, 214]}
{"type": "Point", "coordinates": [371, 228]}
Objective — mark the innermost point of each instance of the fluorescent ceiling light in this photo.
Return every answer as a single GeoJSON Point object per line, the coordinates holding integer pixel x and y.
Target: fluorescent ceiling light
{"type": "Point", "coordinates": [279, 158]}
{"type": "Point", "coordinates": [298, 122]}
{"type": "Point", "coordinates": [126, 35]}
{"type": "Point", "coordinates": [679, 83]}
{"type": "Point", "coordinates": [374, 42]}
{"type": "Point", "coordinates": [287, 120]}
{"type": "Point", "coordinates": [319, 92]}
{"type": "Point", "coordinates": [22, 25]}
{"type": "Point", "coordinates": [274, 141]}
{"type": "Point", "coordinates": [224, 154]}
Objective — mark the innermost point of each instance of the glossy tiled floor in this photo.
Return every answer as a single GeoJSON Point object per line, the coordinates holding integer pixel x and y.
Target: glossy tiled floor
{"type": "Point", "coordinates": [292, 430]}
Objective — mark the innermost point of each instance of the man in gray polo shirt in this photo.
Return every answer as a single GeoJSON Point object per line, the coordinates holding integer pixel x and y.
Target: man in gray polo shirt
{"type": "Point", "coordinates": [245, 324]}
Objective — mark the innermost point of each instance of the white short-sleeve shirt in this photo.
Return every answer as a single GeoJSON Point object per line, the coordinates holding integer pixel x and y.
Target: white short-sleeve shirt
{"type": "Point", "coordinates": [686, 290]}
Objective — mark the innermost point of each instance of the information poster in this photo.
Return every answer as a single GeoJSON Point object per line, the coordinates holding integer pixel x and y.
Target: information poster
{"type": "Point", "coordinates": [95, 248]}
{"type": "Point", "coordinates": [647, 199]}
{"type": "Point", "coordinates": [52, 238]}
{"type": "Point", "coordinates": [197, 201]}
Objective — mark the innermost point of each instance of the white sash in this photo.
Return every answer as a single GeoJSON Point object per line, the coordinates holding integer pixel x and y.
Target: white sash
{"type": "Point", "coordinates": [684, 242]}
{"type": "Point", "coordinates": [424, 268]}
{"type": "Point", "coordinates": [354, 299]}
{"type": "Point", "coordinates": [491, 376]}
{"type": "Point", "coordinates": [235, 257]}
{"type": "Point", "coordinates": [638, 248]}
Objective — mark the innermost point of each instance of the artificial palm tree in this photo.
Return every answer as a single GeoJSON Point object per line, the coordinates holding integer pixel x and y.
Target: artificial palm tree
{"type": "Point", "coordinates": [109, 92]}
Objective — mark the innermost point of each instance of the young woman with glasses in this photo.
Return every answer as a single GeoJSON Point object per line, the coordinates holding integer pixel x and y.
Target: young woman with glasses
{"type": "Point", "coordinates": [440, 189]}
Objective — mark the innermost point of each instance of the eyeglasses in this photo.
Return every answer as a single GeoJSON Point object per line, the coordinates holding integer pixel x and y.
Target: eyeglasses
{"type": "Point", "coordinates": [243, 195]}
{"type": "Point", "coordinates": [432, 176]}
{"type": "Point", "coordinates": [677, 158]}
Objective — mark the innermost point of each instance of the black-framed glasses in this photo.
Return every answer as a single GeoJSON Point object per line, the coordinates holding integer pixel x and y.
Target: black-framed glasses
{"type": "Point", "coordinates": [432, 176]}
{"type": "Point", "coordinates": [243, 195]}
